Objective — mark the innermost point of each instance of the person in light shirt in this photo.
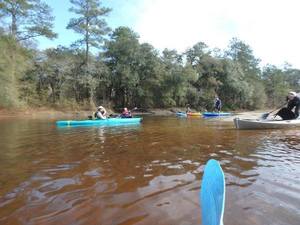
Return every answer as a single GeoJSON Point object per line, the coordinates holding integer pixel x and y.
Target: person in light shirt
{"type": "Point", "coordinates": [100, 114]}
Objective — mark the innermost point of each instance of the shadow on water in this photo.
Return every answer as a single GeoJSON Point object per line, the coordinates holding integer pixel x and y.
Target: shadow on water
{"type": "Point", "coordinates": [141, 174]}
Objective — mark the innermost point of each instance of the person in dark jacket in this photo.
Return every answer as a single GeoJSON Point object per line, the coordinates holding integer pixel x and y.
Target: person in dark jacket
{"type": "Point", "coordinates": [218, 104]}
{"type": "Point", "coordinates": [292, 110]}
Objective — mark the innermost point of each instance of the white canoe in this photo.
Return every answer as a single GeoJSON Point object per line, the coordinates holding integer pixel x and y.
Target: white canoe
{"type": "Point", "coordinates": [247, 124]}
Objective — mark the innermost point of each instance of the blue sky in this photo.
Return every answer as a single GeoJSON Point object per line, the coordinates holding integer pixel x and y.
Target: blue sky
{"type": "Point", "coordinates": [270, 27]}
{"type": "Point", "coordinates": [122, 14]}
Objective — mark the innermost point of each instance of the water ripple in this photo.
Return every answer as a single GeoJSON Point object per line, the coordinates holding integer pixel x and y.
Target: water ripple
{"type": "Point", "coordinates": [144, 174]}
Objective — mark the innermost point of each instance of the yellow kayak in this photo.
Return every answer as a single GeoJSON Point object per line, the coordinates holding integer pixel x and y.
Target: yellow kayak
{"type": "Point", "coordinates": [193, 114]}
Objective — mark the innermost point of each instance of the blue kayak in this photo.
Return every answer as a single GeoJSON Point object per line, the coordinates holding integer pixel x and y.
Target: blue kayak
{"type": "Point", "coordinates": [215, 114]}
{"type": "Point", "coordinates": [107, 122]}
{"type": "Point", "coordinates": [181, 114]}
{"type": "Point", "coordinates": [212, 194]}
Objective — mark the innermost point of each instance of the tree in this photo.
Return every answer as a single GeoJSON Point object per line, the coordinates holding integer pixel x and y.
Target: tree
{"type": "Point", "coordinates": [276, 84]}
{"type": "Point", "coordinates": [242, 53]}
{"type": "Point", "coordinates": [195, 54]}
{"type": "Point", "coordinates": [234, 90]}
{"type": "Point", "coordinates": [292, 77]}
{"type": "Point", "coordinates": [28, 18]}
{"type": "Point", "coordinates": [150, 72]}
{"type": "Point", "coordinates": [172, 90]}
{"type": "Point", "coordinates": [9, 73]}
{"type": "Point", "coordinates": [89, 24]}
{"type": "Point", "coordinates": [210, 71]}
{"type": "Point", "coordinates": [103, 81]}
{"type": "Point", "coordinates": [122, 53]}
{"type": "Point", "coordinates": [177, 80]}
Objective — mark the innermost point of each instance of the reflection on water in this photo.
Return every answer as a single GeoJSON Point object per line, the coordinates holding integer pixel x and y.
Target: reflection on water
{"type": "Point", "coordinates": [144, 174]}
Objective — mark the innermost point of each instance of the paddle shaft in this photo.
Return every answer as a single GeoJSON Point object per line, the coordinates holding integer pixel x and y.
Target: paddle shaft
{"type": "Point", "coordinates": [277, 108]}
{"type": "Point", "coordinates": [265, 115]}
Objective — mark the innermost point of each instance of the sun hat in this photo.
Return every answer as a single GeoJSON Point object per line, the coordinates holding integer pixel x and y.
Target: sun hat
{"type": "Point", "coordinates": [292, 93]}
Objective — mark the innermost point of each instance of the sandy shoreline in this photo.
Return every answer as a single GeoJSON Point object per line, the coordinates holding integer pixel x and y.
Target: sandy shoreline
{"type": "Point", "coordinates": [245, 115]}
{"type": "Point", "coordinates": [51, 113]}
{"type": "Point", "coordinates": [41, 113]}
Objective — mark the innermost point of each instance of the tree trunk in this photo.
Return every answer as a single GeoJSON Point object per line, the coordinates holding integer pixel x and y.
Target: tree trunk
{"type": "Point", "coordinates": [87, 41]}
{"type": "Point", "coordinates": [87, 50]}
{"type": "Point", "coordinates": [14, 25]}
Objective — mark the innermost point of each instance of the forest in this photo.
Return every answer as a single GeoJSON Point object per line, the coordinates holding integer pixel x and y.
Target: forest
{"type": "Point", "coordinates": [113, 68]}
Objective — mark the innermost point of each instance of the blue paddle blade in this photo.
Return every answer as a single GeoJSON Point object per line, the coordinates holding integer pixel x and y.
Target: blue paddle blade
{"type": "Point", "coordinates": [212, 194]}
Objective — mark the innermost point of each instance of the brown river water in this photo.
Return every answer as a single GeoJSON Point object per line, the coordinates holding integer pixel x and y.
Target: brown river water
{"type": "Point", "coordinates": [145, 174]}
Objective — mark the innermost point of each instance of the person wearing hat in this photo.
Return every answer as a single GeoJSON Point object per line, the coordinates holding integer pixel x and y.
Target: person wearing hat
{"type": "Point", "coordinates": [292, 110]}
{"type": "Point", "coordinates": [188, 109]}
{"type": "Point", "coordinates": [100, 113]}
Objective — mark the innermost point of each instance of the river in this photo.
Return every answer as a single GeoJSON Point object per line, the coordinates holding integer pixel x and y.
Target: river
{"type": "Point", "coordinates": [144, 174]}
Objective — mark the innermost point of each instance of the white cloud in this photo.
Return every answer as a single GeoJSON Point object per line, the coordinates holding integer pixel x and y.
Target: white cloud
{"type": "Point", "coordinates": [270, 27]}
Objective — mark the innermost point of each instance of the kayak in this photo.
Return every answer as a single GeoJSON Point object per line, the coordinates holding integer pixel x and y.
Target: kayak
{"type": "Point", "coordinates": [247, 124]}
{"type": "Point", "coordinates": [107, 122]}
{"type": "Point", "coordinates": [194, 114]}
{"type": "Point", "coordinates": [212, 195]}
{"type": "Point", "coordinates": [183, 114]}
{"type": "Point", "coordinates": [215, 114]}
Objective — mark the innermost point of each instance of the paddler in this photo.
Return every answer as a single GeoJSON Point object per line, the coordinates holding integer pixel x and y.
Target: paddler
{"type": "Point", "coordinates": [292, 110]}
{"type": "Point", "coordinates": [100, 113]}
{"type": "Point", "coordinates": [126, 113]}
{"type": "Point", "coordinates": [218, 104]}
{"type": "Point", "coordinates": [188, 109]}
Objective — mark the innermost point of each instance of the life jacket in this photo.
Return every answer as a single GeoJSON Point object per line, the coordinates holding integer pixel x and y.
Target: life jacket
{"type": "Point", "coordinates": [126, 114]}
{"type": "Point", "coordinates": [218, 103]}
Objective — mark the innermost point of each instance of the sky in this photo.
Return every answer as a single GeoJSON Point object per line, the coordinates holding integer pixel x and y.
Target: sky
{"type": "Point", "coordinates": [270, 27]}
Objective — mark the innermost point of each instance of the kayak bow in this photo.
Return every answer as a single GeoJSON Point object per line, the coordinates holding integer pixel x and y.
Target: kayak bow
{"type": "Point", "coordinates": [183, 114]}
{"type": "Point", "coordinates": [215, 114]}
{"type": "Point", "coordinates": [248, 124]}
{"type": "Point", "coordinates": [107, 122]}
{"type": "Point", "coordinates": [212, 194]}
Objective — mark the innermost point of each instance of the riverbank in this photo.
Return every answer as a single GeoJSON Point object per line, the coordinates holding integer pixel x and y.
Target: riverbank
{"type": "Point", "coordinates": [44, 113]}
{"type": "Point", "coordinates": [244, 115]}
{"type": "Point", "coordinates": [52, 113]}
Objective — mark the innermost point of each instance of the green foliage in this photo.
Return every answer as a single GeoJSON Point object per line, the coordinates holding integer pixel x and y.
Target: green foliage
{"type": "Point", "coordinates": [14, 60]}
{"type": "Point", "coordinates": [89, 23]}
{"type": "Point", "coordinates": [126, 72]}
{"type": "Point", "coordinates": [131, 74]}
{"type": "Point", "coordinates": [242, 54]}
{"type": "Point", "coordinates": [277, 87]}
{"type": "Point", "coordinates": [122, 54]}
{"type": "Point", "coordinates": [28, 18]}
{"type": "Point", "coordinates": [292, 78]}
